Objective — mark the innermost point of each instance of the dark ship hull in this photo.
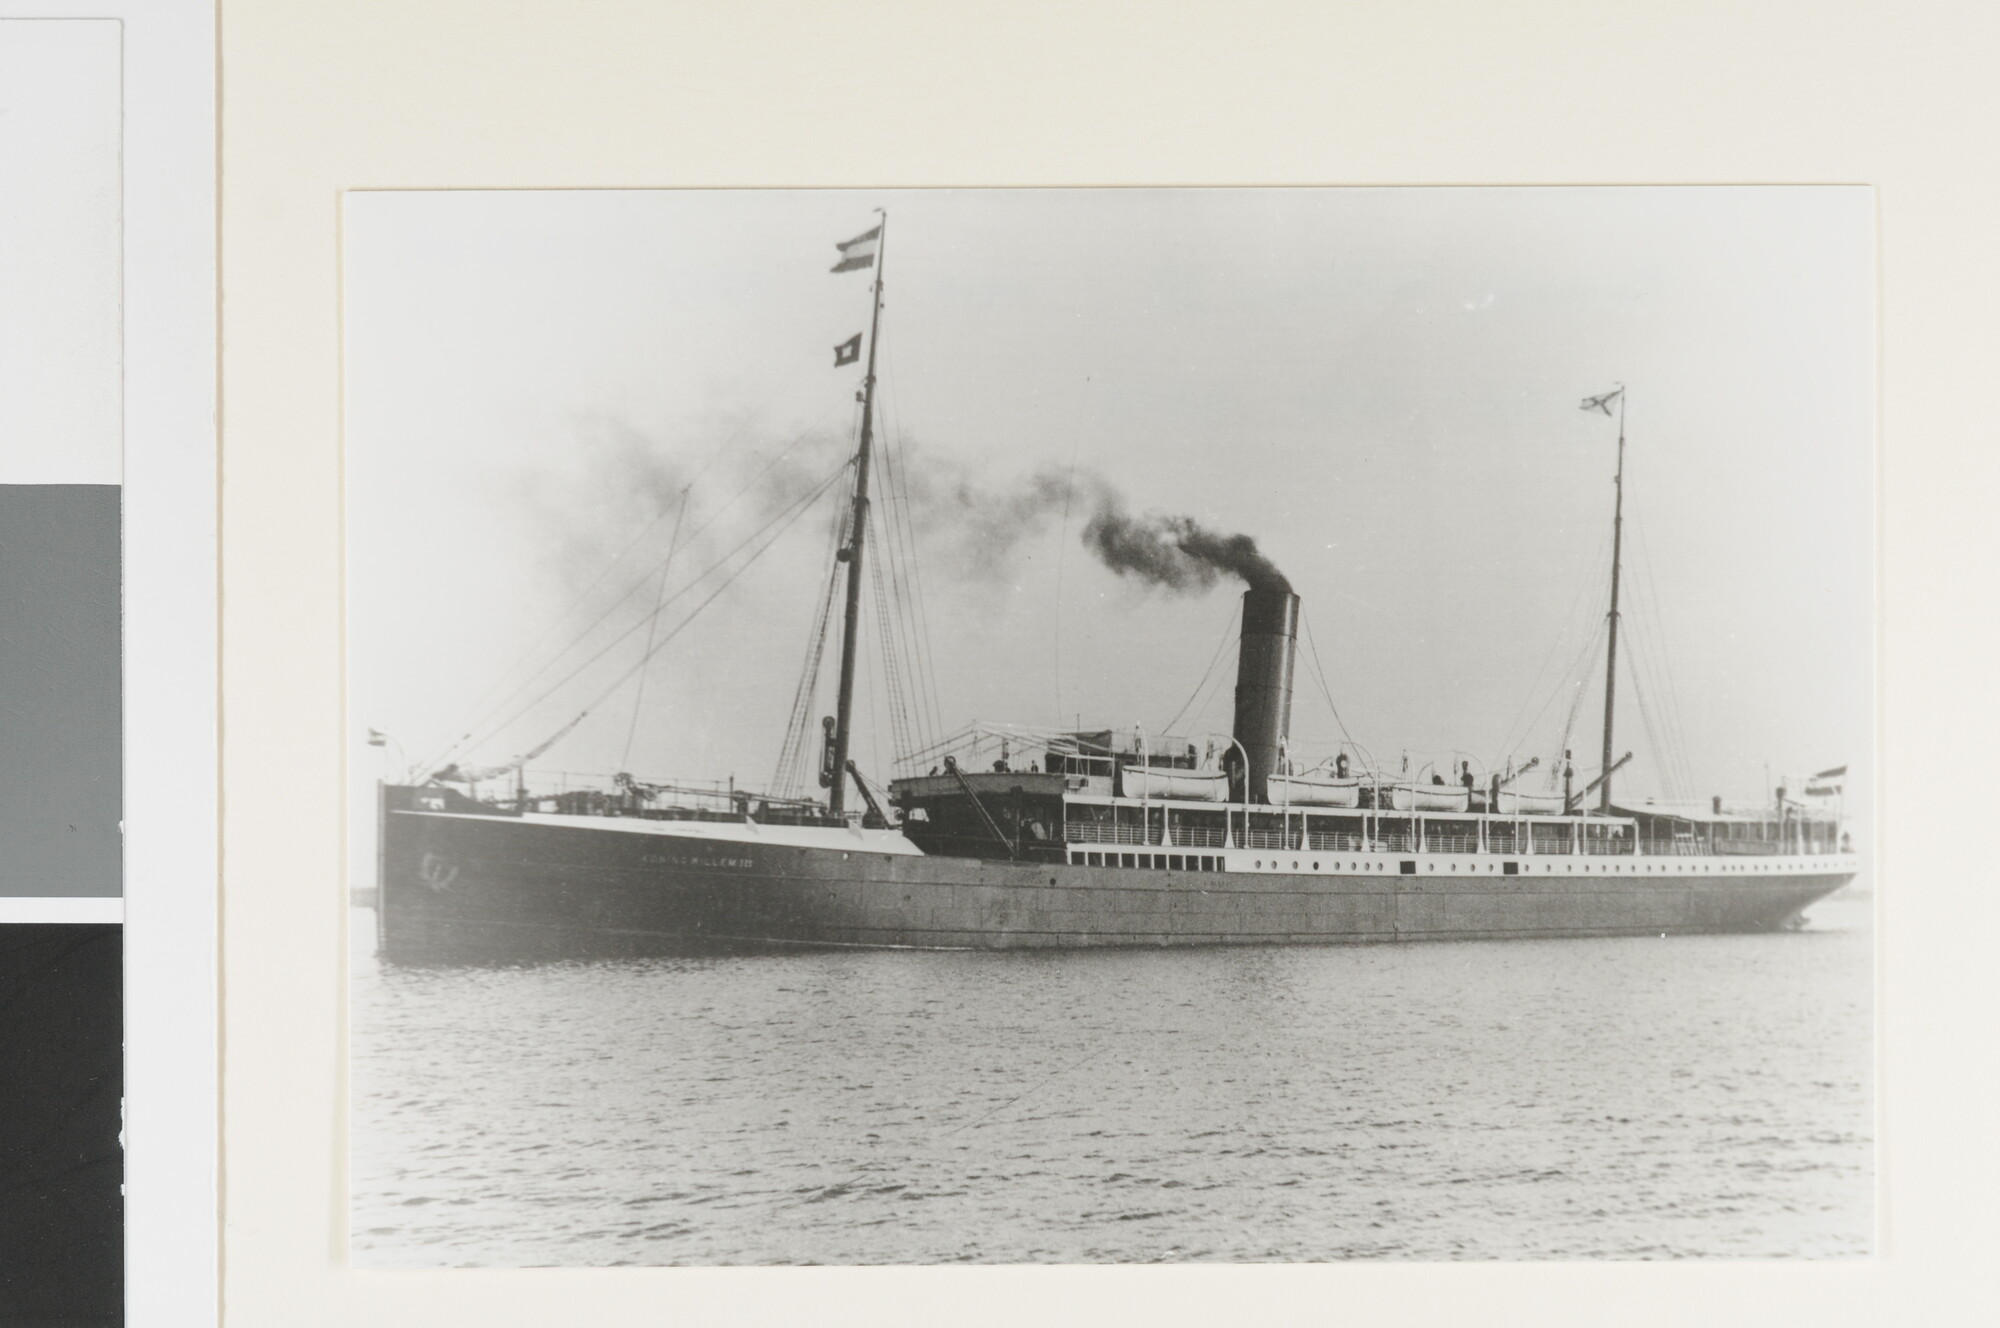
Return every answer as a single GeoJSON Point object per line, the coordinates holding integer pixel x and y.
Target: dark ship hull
{"type": "Point", "coordinates": [465, 882]}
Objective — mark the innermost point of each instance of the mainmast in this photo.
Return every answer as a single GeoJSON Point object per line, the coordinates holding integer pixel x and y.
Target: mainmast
{"type": "Point", "coordinates": [850, 553]}
{"type": "Point", "coordinates": [1611, 651]}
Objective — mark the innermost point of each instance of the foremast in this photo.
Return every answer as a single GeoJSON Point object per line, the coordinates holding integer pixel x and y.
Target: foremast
{"type": "Point", "coordinates": [851, 552]}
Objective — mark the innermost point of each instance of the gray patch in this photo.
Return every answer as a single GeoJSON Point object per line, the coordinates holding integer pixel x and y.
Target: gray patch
{"type": "Point", "coordinates": [61, 727]}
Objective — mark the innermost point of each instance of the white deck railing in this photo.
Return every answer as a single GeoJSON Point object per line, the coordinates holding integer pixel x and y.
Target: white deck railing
{"type": "Point", "coordinates": [1540, 844]}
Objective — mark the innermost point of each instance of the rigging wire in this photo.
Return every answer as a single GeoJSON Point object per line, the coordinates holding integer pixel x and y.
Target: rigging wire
{"type": "Point", "coordinates": [1672, 704]}
{"type": "Point", "coordinates": [1320, 670]}
{"type": "Point", "coordinates": [476, 709]}
{"type": "Point", "coordinates": [1208, 699]}
{"type": "Point", "coordinates": [1228, 636]}
{"type": "Point", "coordinates": [1643, 663]}
{"type": "Point", "coordinates": [1062, 557]}
{"type": "Point", "coordinates": [469, 739]}
{"type": "Point", "coordinates": [919, 609]}
{"type": "Point", "coordinates": [793, 773]}
{"type": "Point", "coordinates": [1574, 678]}
{"type": "Point", "coordinates": [927, 672]}
{"type": "Point", "coordinates": [789, 779]}
{"type": "Point", "coordinates": [1639, 666]}
{"type": "Point", "coordinates": [695, 612]}
{"type": "Point", "coordinates": [653, 622]}
{"type": "Point", "coordinates": [1516, 733]}
{"type": "Point", "coordinates": [897, 612]}
{"type": "Point", "coordinates": [465, 741]}
{"type": "Point", "coordinates": [1582, 671]}
{"type": "Point", "coordinates": [776, 526]}
{"type": "Point", "coordinates": [1661, 769]}
{"type": "Point", "coordinates": [866, 669]}
{"type": "Point", "coordinates": [1675, 773]}
{"type": "Point", "coordinates": [889, 648]}
{"type": "Point", "coordinates": [891, 613]}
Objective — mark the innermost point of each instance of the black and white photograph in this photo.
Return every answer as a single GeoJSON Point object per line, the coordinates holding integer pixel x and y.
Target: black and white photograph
{"type": "Point", "coordinates": [1104, 726]}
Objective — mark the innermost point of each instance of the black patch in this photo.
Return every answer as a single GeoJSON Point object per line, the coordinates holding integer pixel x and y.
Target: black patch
{"type": "Point", "coordinates": [62, 1238]}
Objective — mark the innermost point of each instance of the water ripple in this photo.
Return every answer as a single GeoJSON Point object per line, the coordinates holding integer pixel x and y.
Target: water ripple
{"type": "Point", "coordinates": [1708, 1098]}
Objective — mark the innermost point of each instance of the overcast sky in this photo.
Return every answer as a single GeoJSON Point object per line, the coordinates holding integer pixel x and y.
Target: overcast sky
{"type": "Point", "coordinates": [1380, 386]}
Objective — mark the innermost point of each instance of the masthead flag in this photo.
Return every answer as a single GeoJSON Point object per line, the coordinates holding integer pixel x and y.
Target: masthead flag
{"type": "Point", "coordinates": [858, 252]}
{"type": "Point", "coordinates": [1827, 782]}
{"type": "Point", "coordinates": [848, 351]}
{"type": "Point", "coordinates": [1603, 403]}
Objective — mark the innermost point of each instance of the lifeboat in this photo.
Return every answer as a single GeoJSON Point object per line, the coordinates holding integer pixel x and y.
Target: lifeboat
{"type": "Point", "coordinates": [1319, 790]}
{"type": "Point", "coordinates": [1513, 803]}
{"type": "Point", "coordinates": [1429, 797]}
{"type": "Point", "coordinates": [1146, 781]}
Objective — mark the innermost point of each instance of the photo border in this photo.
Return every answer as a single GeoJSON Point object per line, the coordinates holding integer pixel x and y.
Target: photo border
{"type": "Point", "coordinates": [320, 98]}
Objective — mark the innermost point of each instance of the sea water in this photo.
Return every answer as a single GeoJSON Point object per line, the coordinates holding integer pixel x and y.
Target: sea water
{"type": "Point", "coordinates": [1632, 1098]}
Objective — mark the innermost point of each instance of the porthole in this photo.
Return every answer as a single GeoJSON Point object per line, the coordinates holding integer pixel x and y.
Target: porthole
{"type": "Point", "coordinates": [1260, 864]}
{"type": "Point", "coordinates": [1315, 866]}
{"type": "Point", "coordinates": [1295, 866]}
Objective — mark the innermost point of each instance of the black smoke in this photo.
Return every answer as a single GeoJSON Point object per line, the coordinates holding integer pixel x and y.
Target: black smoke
{"type": "Point", "coordinates": [635, 483]}
{"type": "Point", "coordinates": [1177, 553]}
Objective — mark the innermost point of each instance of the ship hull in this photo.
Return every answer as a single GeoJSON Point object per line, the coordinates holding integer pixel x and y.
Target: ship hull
{"type": "Point", "coordinates": [481, 888]}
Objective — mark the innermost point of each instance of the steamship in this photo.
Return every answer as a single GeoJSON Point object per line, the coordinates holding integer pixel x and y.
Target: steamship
{"type": "Point", "coordinates": [1018, 838]}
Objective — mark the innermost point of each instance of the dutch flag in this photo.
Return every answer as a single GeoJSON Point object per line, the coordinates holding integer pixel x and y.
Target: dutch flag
{"type": "Point", "coordinates": [858, 252]}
